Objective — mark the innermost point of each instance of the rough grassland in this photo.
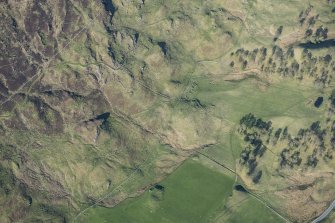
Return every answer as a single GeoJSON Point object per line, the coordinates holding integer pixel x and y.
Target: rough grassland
{"type": "Point", "coordinates": [162, 73]}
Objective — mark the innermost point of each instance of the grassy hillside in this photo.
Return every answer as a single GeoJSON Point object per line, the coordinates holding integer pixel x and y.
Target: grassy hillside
{"type": "Point", "coordinates": [101, 100]}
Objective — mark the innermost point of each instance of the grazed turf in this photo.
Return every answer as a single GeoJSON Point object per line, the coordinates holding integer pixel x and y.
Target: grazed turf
{"type": "Point", "coordinates": [193, 193]}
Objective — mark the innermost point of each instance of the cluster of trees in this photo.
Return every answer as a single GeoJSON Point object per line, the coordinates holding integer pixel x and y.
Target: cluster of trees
{"type": "Point", "coordinates": [321, 33]}
{"type": "Point", "coordinates": [308, 147]}
{"type": "Point", "coordinates": [285, 63]}
{"type": "Point", "coordinates": [250, 121]}
{"type": "Point", "coordinates": [255, 148]}
{"type": "Point", "coordinates": [278, 33]}
{"type": "Point", "coordinates": [290, 159]}
{"type": "Point", "coordinates": [332, 99]}
{"type": "Point", "coordinates": [305, 19]}
{"type": "Point", "coordinates": [312, 160]}
{"type": "Point", "coordinates": [304, 14]}
{"type": "Point", "coordinates": [320, 139]}
{"type": "Point", "coordinates": [332, 139]}
{"type": "Point", "coordinates": [321, 68]}
{"type": "Point", "coordinates": [249, 160]}
{"type": "Point", "coordinates": [331, 122]}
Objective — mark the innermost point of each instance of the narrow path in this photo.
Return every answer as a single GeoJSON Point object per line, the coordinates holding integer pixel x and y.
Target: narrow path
{"type": "Point", "coordinates": [220, 164]}
{"type": "Point", "coordinates": [325, 213]}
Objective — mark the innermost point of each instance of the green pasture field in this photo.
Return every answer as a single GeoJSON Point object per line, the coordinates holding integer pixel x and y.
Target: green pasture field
{"type": "Point", "coordinates": [192, 193]}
